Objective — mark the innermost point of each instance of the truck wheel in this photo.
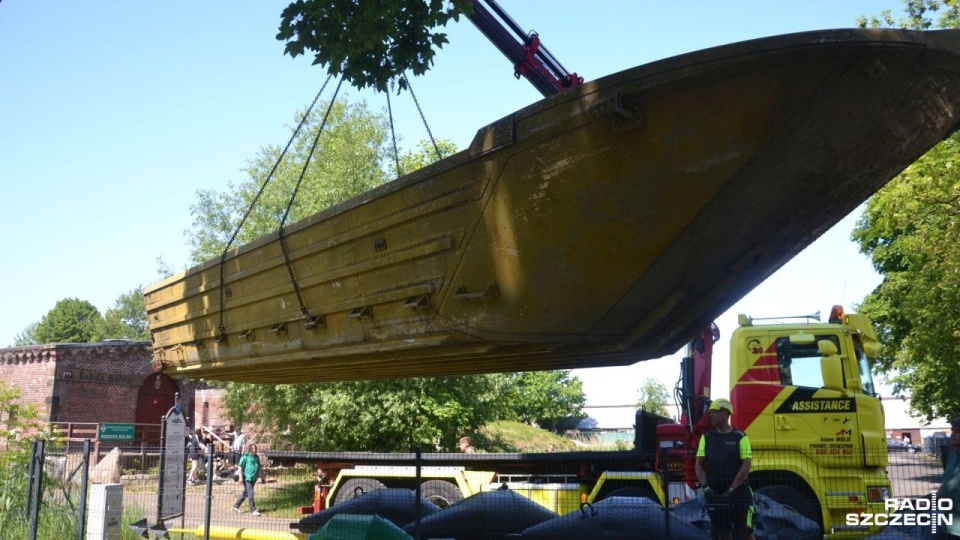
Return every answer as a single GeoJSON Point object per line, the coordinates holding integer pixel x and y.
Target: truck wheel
{"type": "Point", "coordinates": [633, 491]}
{"type": "Point", "coordinates": [356, 487]}
{"type": "Point", "coordinates": [440, 492]}
{"type": "Point", "coordinates": [793, 499]}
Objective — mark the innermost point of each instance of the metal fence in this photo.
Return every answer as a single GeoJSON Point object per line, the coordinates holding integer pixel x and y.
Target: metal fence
{"type": "Point", "coordinates": [506, 504]}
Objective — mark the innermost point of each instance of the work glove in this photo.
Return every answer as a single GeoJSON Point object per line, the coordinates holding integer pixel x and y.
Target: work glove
{"type": "Point", "coordinates": [709, 494]}
{"type": "Point", "coordinates": [723, 497]}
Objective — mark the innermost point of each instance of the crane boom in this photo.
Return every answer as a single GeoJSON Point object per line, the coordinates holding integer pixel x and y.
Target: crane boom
{"type": "Point", "coordinates": [529, 57]}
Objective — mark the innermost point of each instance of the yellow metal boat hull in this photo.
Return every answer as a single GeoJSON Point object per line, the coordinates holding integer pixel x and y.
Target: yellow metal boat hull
{"type": "Point", "coordinates": [601, 226]}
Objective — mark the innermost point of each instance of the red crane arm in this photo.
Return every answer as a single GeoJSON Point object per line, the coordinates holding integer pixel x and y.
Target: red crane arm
{"type": "Point", "coordinates": [529, 57]}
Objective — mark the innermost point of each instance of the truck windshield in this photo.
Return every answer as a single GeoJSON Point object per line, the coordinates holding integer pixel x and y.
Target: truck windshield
{"type": "Point", "coordinates": [863, 363]}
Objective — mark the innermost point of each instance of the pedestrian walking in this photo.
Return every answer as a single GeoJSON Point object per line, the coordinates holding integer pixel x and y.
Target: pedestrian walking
{"type": "Point", "coordinates": [249, 470]}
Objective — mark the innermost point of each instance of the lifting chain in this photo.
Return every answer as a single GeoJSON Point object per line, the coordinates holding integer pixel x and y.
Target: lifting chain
{"type": "Point", "coordinates": [223, 256]}
{"type": "Point", "coordinates": [393, 134]}
{"type": "Point", "coordinates": [311, 321]}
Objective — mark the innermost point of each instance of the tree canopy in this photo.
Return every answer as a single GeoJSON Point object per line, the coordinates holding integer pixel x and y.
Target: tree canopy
{"type": "Point", "coordinates": [401, 414]}
{"type": "Point", "coordinates": [70, 321]}
{"type": "Point", "coordinates": [78, 321]}
{"type": "Point", "coordinates": [654, 397]}
{"type": "Point", "coordinates": [549, 399]}
{"type": "Point", "coordinates": [349, 159]}
{"type": "Point", "coordinates": [127, 319]}
{"type": "Point", "coordinates": [918, 16]}
{"type": "Point", "coordinates": [368, 43]}
{"type": "Point", "coordinates": [379, 416]}
{"type": "Point", "coordinates": [911, 232]}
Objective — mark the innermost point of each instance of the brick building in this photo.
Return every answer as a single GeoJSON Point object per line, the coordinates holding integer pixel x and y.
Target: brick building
{"type": "Point", "coordinates": [108, 382]}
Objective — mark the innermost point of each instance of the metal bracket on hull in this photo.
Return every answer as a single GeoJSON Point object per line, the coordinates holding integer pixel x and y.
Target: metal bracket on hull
{"type": "Point", "coordinates": [490, 291]}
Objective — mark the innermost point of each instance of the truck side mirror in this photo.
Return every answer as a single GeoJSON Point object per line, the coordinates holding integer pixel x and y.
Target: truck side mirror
{"type": "Point", "coordinates": [830, 368]}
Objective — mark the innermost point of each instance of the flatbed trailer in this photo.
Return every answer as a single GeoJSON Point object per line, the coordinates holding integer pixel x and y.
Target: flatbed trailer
{"type": "Point", "coordinates": [559, 481]}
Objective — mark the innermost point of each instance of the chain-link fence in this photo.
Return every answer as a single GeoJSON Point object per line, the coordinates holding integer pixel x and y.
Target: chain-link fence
{"type": "Point", "coordinates": [558, 495]}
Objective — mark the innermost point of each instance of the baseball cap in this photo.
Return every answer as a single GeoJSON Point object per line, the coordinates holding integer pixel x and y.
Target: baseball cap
{"type": "Point", "coordinates": [719, 404]}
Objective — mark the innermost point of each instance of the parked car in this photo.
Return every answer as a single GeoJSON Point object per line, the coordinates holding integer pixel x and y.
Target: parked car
{"type": "Point", "coordinates": [894, 445]}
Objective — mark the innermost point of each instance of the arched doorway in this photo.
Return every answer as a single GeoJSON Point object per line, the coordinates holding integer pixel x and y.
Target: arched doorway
{"type": "Point", "coordinates": [155, 397]}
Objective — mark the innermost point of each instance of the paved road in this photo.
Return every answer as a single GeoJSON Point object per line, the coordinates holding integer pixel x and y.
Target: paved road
{"type": "Point", "coordinates": [914, 475]}
{"type": "Point", "coordinates": [143, 494]}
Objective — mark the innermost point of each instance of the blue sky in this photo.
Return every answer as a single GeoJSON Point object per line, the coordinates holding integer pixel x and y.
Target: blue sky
{"type": "Point", "coordinates": [113, 113]}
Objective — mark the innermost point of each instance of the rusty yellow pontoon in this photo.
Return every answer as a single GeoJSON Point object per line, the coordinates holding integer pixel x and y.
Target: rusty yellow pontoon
{"type": "Point", "coordinates": [601, 226]}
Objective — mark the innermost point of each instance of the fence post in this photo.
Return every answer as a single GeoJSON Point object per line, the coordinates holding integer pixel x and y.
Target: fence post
{"type": "Point", "coordinates": [28, 500]}
{"type": "Point", "coordinates": [85, 466]}
{"type": "Point", "coordinates": [209, 501]}
{"type": "Point", "coordinates": [666, 490]}
{"type": "Point", "coordinates": [38, 490]}
{"type": "Point", "coordinates": [163, 453]}
{"type": "Point", "coordinates": [417, 504]}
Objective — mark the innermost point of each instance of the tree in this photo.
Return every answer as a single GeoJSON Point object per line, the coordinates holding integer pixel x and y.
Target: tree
{"type": "Point", "coordinates": [400, 414]}
{"type": "Point", "coordinates": [916, 19]}
{"type": "Point", "coordinates": [20, 423]}
{"type": "Point", "coordinates": [547, 398]}
{"type": "Point", "coordinates": [348, 160]}
{"type": "Point", "coordinates": [425, 154]}
{"type": "Point", "coordinates": [78, 321]}
{"type": "Point", "coordinates": [368, 43]}
{"type": "Point", "coordinates": [910, 232]}
{"type": "Point", "coordinates": [654, 397]}
{"type": "Point", "coordinates": [70, 321]}
{"type": "Point", "coordinates": [27, 337]}
{"type": "Point", "coordinates": [127, 319]}
{"type": "Point", "coordinates": [378, 416]}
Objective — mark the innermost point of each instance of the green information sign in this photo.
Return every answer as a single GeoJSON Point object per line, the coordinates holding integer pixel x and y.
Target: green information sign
{"type": "Point", "coordinates": [116, 432]}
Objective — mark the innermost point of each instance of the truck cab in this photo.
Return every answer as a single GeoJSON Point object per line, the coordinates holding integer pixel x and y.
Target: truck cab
{"type": "Point", "coordinates": [804, 395]}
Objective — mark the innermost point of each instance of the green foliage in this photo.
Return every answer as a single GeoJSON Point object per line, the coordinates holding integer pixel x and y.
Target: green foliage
{"type": "Point", "coordinates": [19, 423]}
{"type": "Point", "coordinates": [508, 436]}
{"type": "Point", "coordinates": [547, 398]}
{"type": "Point", "coordinates": [911, 232]}
{"type": "Point", "coordinates": [127, 319]}
{"type": "Point", "coordinates": [368, 43]}
{"type": "Point", "coordinates": [348, 161]}
{"type": "Point", "coordinates": [654, 397]}
{"type": "Point", "coordinates": [70, 321]}
{"type": "Point", "coordinates": [78, 321]}
{"type": "Point", "coordinates": [917, 16]}
{"type": "Point", "coordinates": [397, 415]}
{"type": "Point", "coordinates": [425, 154]}
{"type": "Point", "coordinates": [377, 416]}
{"type": "Point", "coordinates": [27, 337]}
